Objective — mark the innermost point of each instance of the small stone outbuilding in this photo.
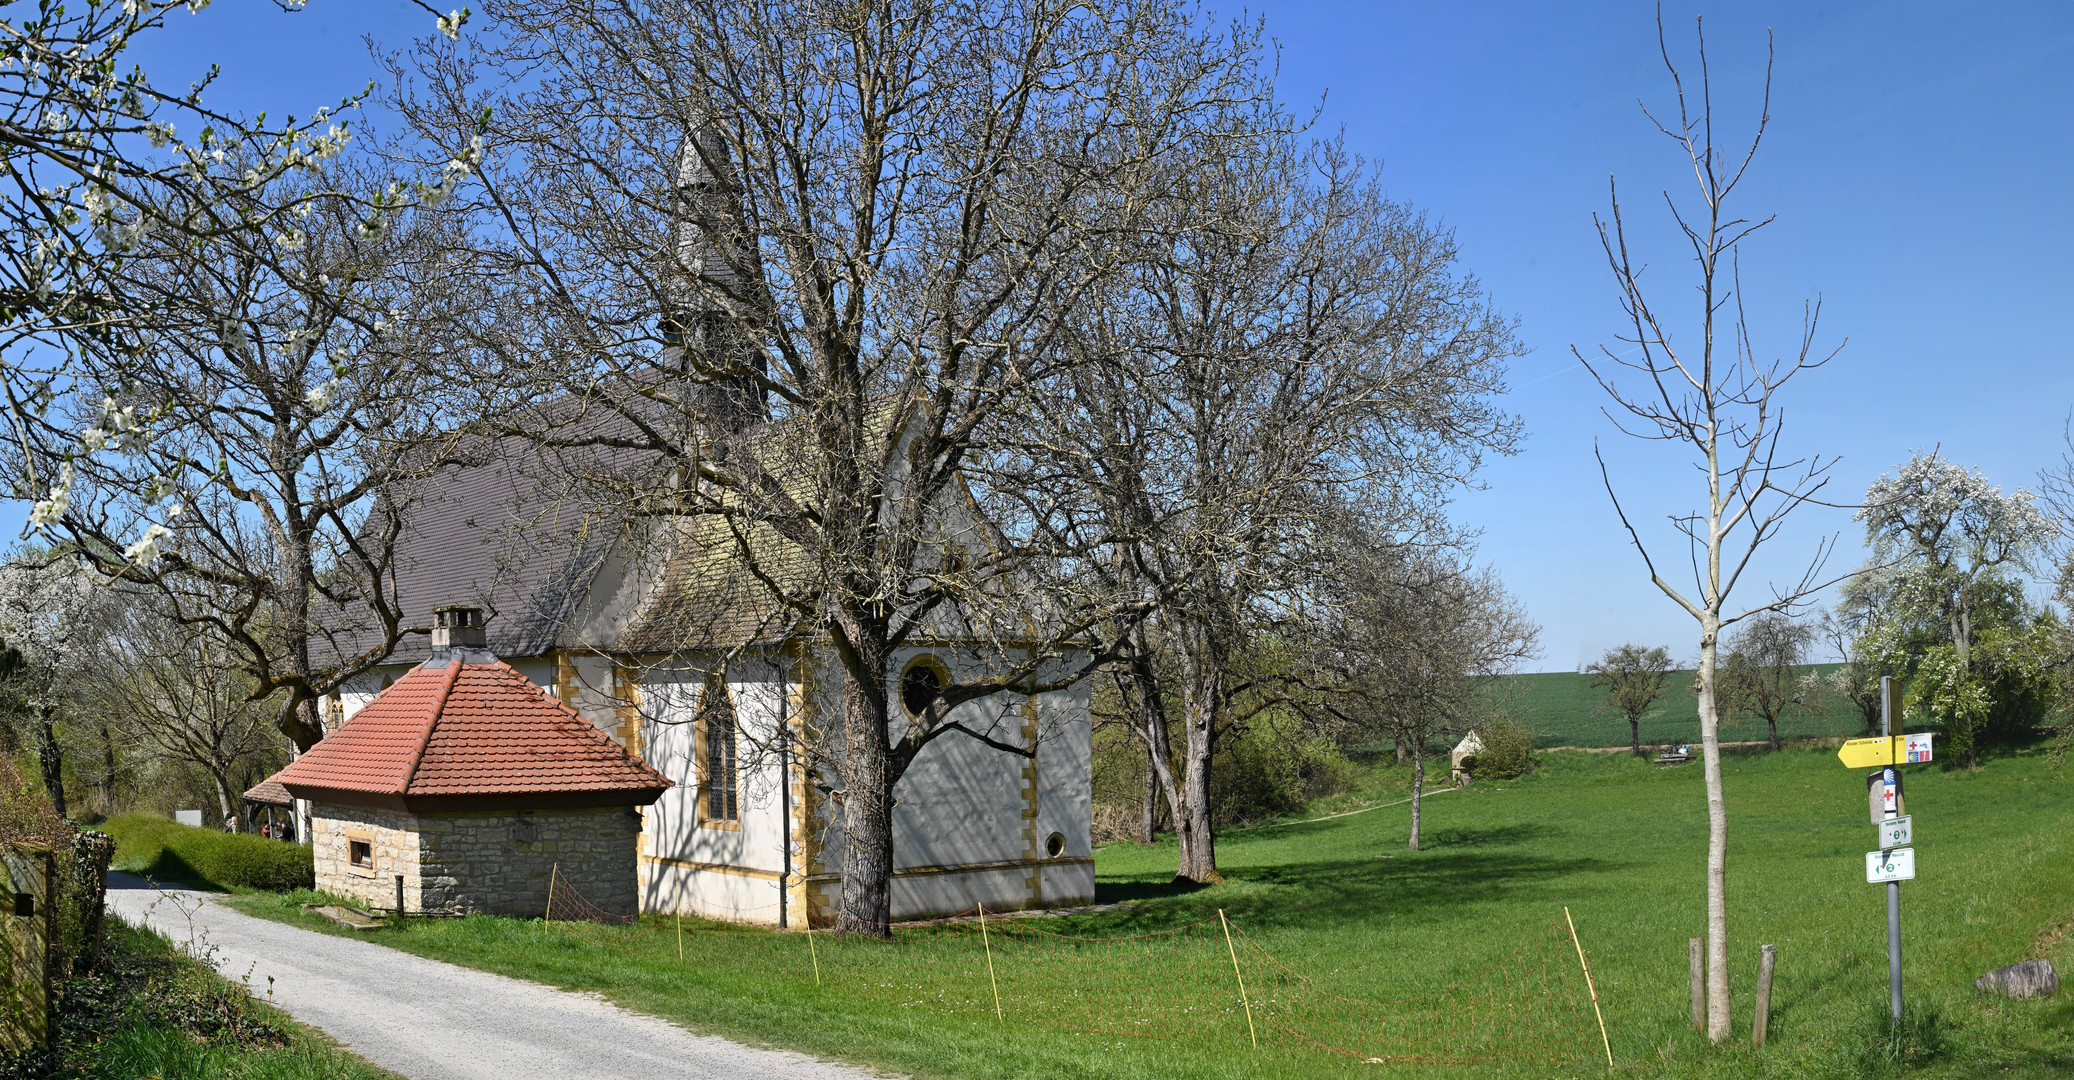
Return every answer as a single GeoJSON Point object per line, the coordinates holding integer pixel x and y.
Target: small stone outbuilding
{"type": "Point", "coordinates": [476, 788]}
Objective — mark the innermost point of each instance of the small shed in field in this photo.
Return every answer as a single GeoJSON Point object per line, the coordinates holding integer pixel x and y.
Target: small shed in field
{"type": "Point", "coordinates": [476, 788]}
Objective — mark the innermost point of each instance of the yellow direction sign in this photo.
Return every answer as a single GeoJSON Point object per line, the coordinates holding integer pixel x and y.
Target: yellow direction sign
{"type": "Point", "coordinates": [1873, 753]}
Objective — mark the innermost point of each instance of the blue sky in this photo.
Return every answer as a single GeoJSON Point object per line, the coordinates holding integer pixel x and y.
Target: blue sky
{"type": "Point", "coordinates": [1918, 165]}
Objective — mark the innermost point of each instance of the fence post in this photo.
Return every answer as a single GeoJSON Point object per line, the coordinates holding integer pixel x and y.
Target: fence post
{"type": "Point", "coordinates": [399, 899]}
{"type": "Point", "coordinates": [1769, 958]}
{"type": "Point", "coordinates": [1699, 986]}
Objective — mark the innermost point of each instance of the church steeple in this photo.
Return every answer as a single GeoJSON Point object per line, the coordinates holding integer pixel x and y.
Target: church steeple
{"type": "Point", "coordinates": [701, 339]}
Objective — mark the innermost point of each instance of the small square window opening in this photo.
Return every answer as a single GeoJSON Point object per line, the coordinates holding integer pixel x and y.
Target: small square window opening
{"type": "Point", "coordinates": [360, 853]}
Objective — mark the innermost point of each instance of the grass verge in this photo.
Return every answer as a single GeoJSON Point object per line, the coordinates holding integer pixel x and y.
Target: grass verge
{"type": "Point", "coordinates": [1617, 841]}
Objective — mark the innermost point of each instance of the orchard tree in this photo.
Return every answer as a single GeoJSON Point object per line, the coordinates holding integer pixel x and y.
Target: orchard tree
{"type": "Point", "coordinates": [1633, 677]}
{"type": "Point", "coordinates": [52, 620]}
{"type": "Point", "coordinates": [1763, 673]}
{"type": "Point", "coordinates": [1701, 387]}
{"type": "Point", "coordinates": [1949, 550]}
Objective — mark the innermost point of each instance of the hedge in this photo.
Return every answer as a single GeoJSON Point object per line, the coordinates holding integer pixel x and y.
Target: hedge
{"type": "Point", "coordinates": [158, 848]}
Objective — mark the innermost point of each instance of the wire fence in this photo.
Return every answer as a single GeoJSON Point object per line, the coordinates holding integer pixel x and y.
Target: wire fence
{"type": "Point", "coordinates": [1205, 982]}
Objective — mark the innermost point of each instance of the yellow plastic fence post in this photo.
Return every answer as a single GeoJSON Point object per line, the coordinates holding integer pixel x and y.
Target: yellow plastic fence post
{"type": "Point", "coordinates": [1241, 975]}
{"type": "Point", "coordinates": [984, 944]}
{"type": "Point", "coordinates": [548, 913]}
{"type": "Point", "coordinates": [1588, 985]}
{"type": "Point", "coordinates": [813, 953]}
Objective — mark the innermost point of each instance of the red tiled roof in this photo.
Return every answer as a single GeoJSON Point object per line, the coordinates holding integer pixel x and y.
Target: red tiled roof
{"type": "Point", "coordinates": [269, 790]}
{"type": "Point", "coordinates": [467, 731]}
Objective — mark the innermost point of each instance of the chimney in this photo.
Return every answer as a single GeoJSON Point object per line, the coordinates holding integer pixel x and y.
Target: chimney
{"type": "Point", "coordinates": [457, 626]}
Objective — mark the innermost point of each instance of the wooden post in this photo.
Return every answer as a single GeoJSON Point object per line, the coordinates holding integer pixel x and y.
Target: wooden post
{"type": "Point", "coordinates": [399, 898]}
{"type": "Point", "coordinates": [1699, 986]}
{"type": "Point", "coordinates": [1591, 986]}
{"type": "Point", "coordinates": [1234, 950]}
{"type": "Point", "coordinates": [1770, 957]}
{"type": "Point", "coordinates": [996, 983]}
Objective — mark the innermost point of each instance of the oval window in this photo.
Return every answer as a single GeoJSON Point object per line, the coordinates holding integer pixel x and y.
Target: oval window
{"type": "Point", "coordinates": [1055, 845]}
{"type": "Point", "coordinates": [920, 685]}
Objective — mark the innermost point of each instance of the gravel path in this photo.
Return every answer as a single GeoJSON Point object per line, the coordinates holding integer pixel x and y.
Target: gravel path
{"type": "Point", "coordinates": [434, 1021]}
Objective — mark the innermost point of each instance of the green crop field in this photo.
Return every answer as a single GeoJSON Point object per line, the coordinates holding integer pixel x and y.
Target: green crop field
{"type": "Point", "coordinates": [1563, 709]}
{"type": "Point", "coordinates": [1346, 938]}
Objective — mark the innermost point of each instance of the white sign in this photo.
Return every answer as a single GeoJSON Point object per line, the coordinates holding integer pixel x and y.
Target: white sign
{"type": "Point", "coordinates": [1896, 833]}
{"type": "Point", "coordinates": [188, 817]}
{"type": "Point", "coordinates": [1896, 865]}
{"type": "Point", "coordinates": [1916, 748]}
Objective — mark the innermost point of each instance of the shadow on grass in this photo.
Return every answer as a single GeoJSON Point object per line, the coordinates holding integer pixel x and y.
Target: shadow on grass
{"type": "Point", "coordinates": [1110, 892]}
{"type": "Point", "coordinates": [1497, 834]}
{"type": "Point", "coordinates": [1327, 895]}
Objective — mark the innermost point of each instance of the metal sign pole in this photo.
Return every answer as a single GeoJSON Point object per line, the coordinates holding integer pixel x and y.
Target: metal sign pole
{"type": "Point", "coordinates": [1893, 776]}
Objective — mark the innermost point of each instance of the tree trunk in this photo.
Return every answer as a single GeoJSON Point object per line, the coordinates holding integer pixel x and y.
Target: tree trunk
{"type": "Point", "coordinates": [1418, 792]}
{"type": "Point", "coordinates": [107, 769]}
{"type": "Point", "coordinates": [1773, 723]}
{"type": "Point", "coordinates": [1148, 825]}
{"type": "Point", "coordinates": [1717, 839]}
{"type": "Point", "coordinates": [1635, 734]}
{"type": "Point", "coordinates": [1192, 828]}
{"type": "Point", "coordinates": [50, 756]}
{"type": "Point", "coordinates": [225, 802]}
{"type": "Point", "coordinates": [867, 768]}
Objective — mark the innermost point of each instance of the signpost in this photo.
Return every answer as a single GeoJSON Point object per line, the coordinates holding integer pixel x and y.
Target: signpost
{"type": "Point", "coordinates": [1895, 861]}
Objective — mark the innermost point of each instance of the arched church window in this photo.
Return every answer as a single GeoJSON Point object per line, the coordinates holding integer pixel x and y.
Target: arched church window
{"type": "Point", "coordinates": [718, 740]}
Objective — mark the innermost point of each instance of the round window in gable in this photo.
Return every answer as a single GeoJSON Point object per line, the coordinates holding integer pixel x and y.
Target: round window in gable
{"type": "Point", "coordinates": [921, 684]}
{"type": "Point", "coordinates": [1055, 845]}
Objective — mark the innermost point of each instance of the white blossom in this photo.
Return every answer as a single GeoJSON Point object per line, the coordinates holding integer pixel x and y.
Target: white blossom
{"type": "Point", "coordinates": [146, 550]}
{"type": "Point", "coordinates": [451, 23]}
{"type": "Point", "coordinates": [50, 511]}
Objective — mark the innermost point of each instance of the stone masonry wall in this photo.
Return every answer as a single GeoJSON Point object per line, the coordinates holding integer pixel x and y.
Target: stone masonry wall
{"type": "Point", "coordinates": [492, 863]}
{"type": "Point", "coordinates": [395, 846]}
{"type": "Point", "coordinates": [500, 863]}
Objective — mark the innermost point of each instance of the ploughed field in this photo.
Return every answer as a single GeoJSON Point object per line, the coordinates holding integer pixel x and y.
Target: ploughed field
{"type": "Point", "coordinates": [1361, 957]}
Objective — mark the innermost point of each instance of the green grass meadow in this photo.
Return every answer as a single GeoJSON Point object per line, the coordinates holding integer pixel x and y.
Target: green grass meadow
{"type": "Point", "coordinates": [1562, 708]}
{"type": "Point", "coordinates": [1618, 841]}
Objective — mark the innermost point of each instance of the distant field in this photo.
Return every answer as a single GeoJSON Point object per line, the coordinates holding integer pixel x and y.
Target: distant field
{"type": "Point", "coordinates": [1563, 709]}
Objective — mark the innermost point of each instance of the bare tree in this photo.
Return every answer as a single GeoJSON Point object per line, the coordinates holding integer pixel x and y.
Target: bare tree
{"type": "Point", "coordinates": [1297, 346]}
{"type": "Point", "coordinates": [1422, 645]}
{"type": "Point", "coordinates": [796, 258]}
{"type": "Point", "coordinates": [172, 695]}
{"type": "Point", "coordinates": [1763, 672]}
{"type": "Point", "coordinates": [1633, 676]}
{"type": "Point", "coordinates": [1717, 401]}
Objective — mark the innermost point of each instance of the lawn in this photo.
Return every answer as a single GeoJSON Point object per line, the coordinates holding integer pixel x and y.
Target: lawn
{"type": "Point", "coordinates": [1339, 909]}
{"type": "Point", "coordinates": [1562, 708]}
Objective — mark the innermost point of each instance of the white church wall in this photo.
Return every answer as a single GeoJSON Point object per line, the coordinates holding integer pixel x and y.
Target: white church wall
{"type": "Point", "coordinates": [1065, 774]}
{"type": "Point", "coordinates": [728, 870]}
